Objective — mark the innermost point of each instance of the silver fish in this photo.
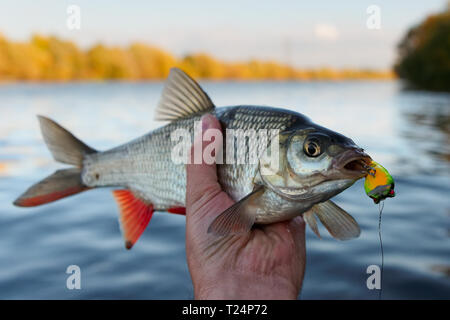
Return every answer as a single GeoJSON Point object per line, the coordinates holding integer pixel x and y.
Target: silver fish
{"type": "Point", "coordinates": [314, 164]}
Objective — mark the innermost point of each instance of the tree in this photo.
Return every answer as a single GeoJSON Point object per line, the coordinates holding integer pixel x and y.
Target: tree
{"type": "Point", "coordinates": [424, 54]}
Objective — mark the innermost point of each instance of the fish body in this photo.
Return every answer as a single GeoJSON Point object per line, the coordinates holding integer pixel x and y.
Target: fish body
{"type": "Point", "coordinates": [313, 164]}
{"type": "Point", "coordinates": [144, 165]}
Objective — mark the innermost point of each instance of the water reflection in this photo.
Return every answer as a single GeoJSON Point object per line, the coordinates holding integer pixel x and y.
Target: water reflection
{"type": "Point", "coordinates": [431, 118]}
{"type": "Point", "coordinates": [427, 128]}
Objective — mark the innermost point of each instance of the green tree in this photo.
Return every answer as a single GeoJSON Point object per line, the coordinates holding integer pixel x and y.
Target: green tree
{"type": "Point", "coordinates": [424, 54]}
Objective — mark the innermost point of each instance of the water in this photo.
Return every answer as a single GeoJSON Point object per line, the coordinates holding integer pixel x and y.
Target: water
{"type": "Point", "coordinates": [408, 132]}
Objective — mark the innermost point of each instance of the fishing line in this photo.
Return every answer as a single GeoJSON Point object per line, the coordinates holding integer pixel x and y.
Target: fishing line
{"type": "Point", "coordinates": [380, 208]}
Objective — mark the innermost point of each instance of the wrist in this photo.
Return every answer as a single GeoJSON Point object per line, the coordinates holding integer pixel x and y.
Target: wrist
{"type": "Point", "coordinates": [246, 287]}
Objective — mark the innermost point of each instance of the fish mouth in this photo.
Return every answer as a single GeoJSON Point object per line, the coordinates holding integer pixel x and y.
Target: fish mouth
{"type": "Point", "coordinates": [353, 164]}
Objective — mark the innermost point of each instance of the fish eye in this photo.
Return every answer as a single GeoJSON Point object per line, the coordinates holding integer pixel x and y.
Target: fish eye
{"type": "Point", "coordinates": [311, 147]}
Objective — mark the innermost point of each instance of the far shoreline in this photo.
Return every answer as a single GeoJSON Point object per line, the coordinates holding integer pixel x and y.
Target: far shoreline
{"type": "Point", "coordinates": [161, 81]}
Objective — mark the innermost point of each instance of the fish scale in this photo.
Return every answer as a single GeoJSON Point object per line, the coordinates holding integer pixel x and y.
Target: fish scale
{"type": "Point", "coordinates": [144, 165]}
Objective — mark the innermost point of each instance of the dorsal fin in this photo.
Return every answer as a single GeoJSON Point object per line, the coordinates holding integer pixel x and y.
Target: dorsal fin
{"type": "Point", "coordinates": [182, 97]}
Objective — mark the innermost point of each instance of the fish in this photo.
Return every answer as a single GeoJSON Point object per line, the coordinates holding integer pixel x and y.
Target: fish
{"type": "Point", "coordinates": [313, 165]}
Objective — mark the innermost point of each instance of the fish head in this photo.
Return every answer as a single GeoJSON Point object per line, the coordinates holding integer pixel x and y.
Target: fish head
{"type": "Point", "coordinates": [314, 163]}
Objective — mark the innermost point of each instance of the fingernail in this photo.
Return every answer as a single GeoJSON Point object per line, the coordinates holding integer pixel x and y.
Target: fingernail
{"type": "Point", "coordinates": [206, 122]}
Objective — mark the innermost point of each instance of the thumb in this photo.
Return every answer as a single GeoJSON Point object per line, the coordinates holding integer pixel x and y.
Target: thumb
{"type": "Point", "coordinates": [201, 175]}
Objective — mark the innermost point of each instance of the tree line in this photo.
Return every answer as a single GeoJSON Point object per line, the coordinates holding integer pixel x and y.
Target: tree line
{"type": "Point", "coordinates": [49, 58]}
{"type": "Point", "coordinates": [424, 53]}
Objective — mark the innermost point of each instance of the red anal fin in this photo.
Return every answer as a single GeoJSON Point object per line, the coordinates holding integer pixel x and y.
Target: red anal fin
{"type": "Point", "coordinates": [177, 210]}
{"type": "Point", "coordinates": [135, 215]}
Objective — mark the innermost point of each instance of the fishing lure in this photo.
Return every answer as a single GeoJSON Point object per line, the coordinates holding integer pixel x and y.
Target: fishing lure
{"type": "Point", "coordinates": [379, 184]}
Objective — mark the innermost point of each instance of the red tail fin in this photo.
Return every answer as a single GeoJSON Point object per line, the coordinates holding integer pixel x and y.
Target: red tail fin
{"type": "Point", "coordinates": [61, 184]}
{"type": "Point", "coordinates": [65, 148]}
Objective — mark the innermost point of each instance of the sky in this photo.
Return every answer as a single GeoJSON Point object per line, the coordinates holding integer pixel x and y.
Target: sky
{"type": "Point", "coordinates": [314, 33]}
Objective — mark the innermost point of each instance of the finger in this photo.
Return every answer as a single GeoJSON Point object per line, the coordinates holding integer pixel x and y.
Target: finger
{"type": "Point", "coordinates": [295, 227]}
{"type": "Point", "coordinates": [201, 179]}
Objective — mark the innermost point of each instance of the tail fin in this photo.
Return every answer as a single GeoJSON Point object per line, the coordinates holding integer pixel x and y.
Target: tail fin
{"type": "Point", "coordinates": [65, 148]}
{"type": "Point", "coordinates": [63, 145]}
{"type": "Point", "coordinates": [60, 184]}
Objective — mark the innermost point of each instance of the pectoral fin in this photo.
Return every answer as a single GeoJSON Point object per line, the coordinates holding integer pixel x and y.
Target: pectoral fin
{"type": "Point", "coordinates": [311, 221]}
{"type": "Point", "coordinates": [239, 218]}
{"type": "Point", "coordinates": [338, 222]}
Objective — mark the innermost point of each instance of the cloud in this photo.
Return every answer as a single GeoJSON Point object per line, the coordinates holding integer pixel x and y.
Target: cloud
{"type": "Point", "coordinates": [326, 32]}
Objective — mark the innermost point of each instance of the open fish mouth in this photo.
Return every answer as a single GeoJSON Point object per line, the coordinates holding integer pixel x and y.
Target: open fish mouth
{"type": "Point", "coordinates": [354, 163]}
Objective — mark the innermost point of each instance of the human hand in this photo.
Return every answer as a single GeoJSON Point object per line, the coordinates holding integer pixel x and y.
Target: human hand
{"type": "Point", "coordinates": [266, 263]}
